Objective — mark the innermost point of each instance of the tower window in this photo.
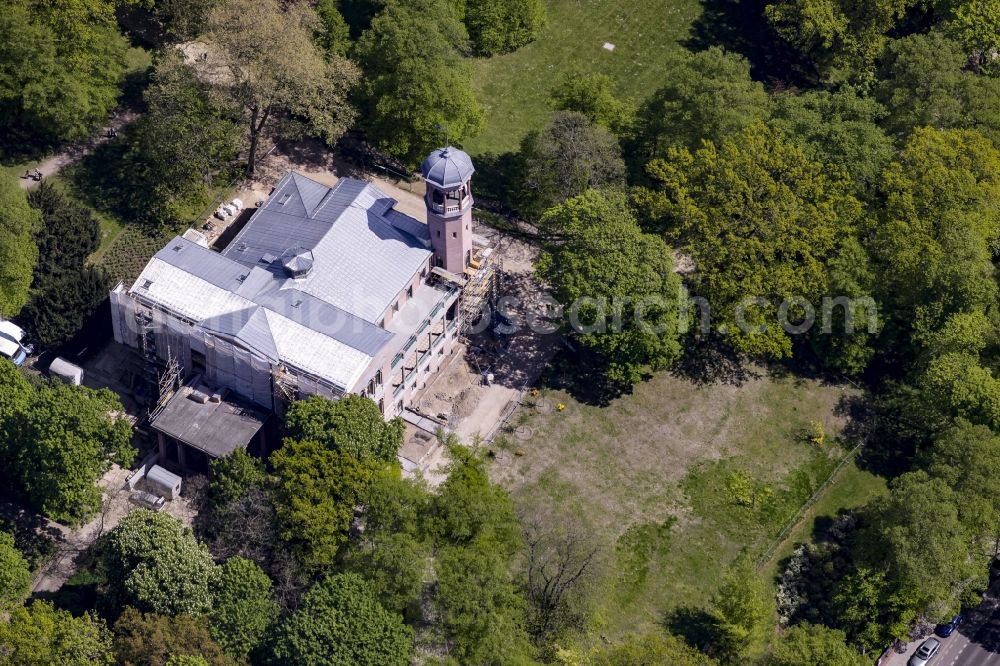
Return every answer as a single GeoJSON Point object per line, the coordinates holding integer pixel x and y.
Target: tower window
{"type": "Point", "coordinates": [439, 233]}
{"type": "Point", "coordinates": [454, 234]}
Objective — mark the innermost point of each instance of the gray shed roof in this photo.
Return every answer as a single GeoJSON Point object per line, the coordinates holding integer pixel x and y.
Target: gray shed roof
{"type": "Point", "coordinates": [447, 167]}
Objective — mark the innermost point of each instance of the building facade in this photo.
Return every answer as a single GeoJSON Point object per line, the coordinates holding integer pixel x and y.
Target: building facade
{"type": "Point", "coordinates": [324, 291]}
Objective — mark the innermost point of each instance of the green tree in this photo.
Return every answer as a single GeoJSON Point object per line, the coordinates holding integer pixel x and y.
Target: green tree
{"type": "Point", "coordinates": [15, 575]}
{"type": "Point", "coordinates": [352, 425]}
{"type": "Point", "coordinates": [415, 95]}
{"type": "Point", "coordinates": [915, 535]}
{"type": "Point", "coordinates": [616, 281]}
{"type": "Point", "coordinates": [60, 310]}
{"type": "Point", "coordinates": [67, 236]}
{"type": "Point", "coordinates": [839, 128]}
{"type": "Point", "coordinates": [334, 34]}
{"type": "Point", "coordinates": [870, 609]}
{"type": "Point", "coordinates": [242, 608]}
{"type": "Point", "coordinates": [975, 24]}
{"type": "Point", "coordinates": [393, 549]}
{"type": "Point", "coordinates": [43, 635]}
{"type": "Point", "coordinates": [596, 96]}
{"type": "Point", "coordinates": [181, 147]}
{"type": "Point", "coordinates": [502, 26]}
{"type": "Point", "coordinates": [187, 660]}
{"type": "Point", "coordinates": [709, 95]}
{"type": "Point", "coordinates": [61, 65]}
{"type": "Point", "coordinates": [18, 252]}
{"type": "Point", "coordinates": [965, 457]}
{"type": "Point", "coordinates": [341, 623]}
{"type": "Point", "coordinates": [740, 613]}
{"type": "Point", "coordinates": [317, 490]}
{"type": "Point", "coordinates": [649, 649]}
{"type": "Point", "coordinates": [284, 76]}
{"type": "Point", "coordinates": [760, 220]}
{"type": "Point", "coordinates": [938, 228]}
{"type": "Point", "coordinates": [813, 645]}
{"type": "Point", "coordinates": [481, 610]}
{"type": "Point", "coordinates": [840, 38]}
{"type": "Point", "coordinates": [234, 475]}
{"type": "Point", "coordinates": [63, 442]}
{"type": "Point", "coordinates": [15, 396]}
{"type": "Point", "coordinates": [157, 565]}
{"type": "Point", "coordinates": [147, 639]}
{"type": "Point", "coordinates": [565, 159]}
{"type": "Point", "coordinates": [925, 82]}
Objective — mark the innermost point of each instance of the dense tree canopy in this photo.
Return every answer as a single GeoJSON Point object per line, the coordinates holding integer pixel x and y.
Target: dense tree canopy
{"type": "Point", "coordinates": [64, 440]}
{"type": "Point", "coordinates": [616, 281]}
{"type": "Point", "coordinates": [317, 490]}
{"type": "Point", "coordinates": [352, 425]}
{"type": "Point", "coordinates": [284, 76]}
{"type": "Point", "coordinates": [709, 96]}
{"type": "Point", "coordinates": [415, 94]}
{"type": "Point", "coordinates": [147, 639]}
{"type": "Point", "coordinates": [501, 26]}
{"type": "Point", "coordinates": [15, 576]}
{"type": "Point", "coordinates": [242, 608]}
{"type": "Point", "coordinates": [596, 97]}
{"type": "Point", "coordinates": [649, 649]}
{"type": "Point", "coordinates": [813, 645]}
{"type": "Point", "coordinates": [61, 65]}
{"type": "Point", "coordinates": [760, 220]}
{"type": "Point", "coordinates": [156, 563]}
{"type": "Point", "coordinates": [18, 252]}
{"type": "Point", "coordinates": [178, 150]}
{"type": "Point", "coordinates": [341, 623]}
{"type": "Point", "coordinates": [42, 635]}
{"type": "Point", "coordinates": [565, 159]}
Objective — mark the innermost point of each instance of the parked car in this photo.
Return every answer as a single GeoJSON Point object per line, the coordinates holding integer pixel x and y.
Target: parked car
{"type": "Point", "coordinates": [945, 630]}
{"type": "Point", "coordinates": [925, 652]}
{"type": "Point", "coordinates": [11, 336]}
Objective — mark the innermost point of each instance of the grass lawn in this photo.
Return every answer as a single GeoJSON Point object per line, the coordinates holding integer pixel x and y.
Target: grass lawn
{"type": "Point", "coordinates": [514, 88]}
{"type": "Point", "coordinates": [651, 474]}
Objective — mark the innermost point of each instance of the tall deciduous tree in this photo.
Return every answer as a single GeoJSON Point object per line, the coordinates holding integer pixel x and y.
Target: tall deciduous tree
{"type": "Point", "coordinates": [740, 613]}
{"type": "Point", "coordinates": [63, 442]}
{"type": "Point", "coordinates": [341, 623]}
{"type": "Point", "coordinates": [61, 65]}
{"type": "Point", "coordinates": [708, 95]}
{"type": "Point", "coordinates": [157, 564]}
{"type": "Point", "coordinates": [42, 635]}
{"type": "Point", "coordinates": [813, 645]}
{"type": "Point", "coordinates": [760, 220]}
{"type": "Point", "coordinates": [415, 95]}
{"type": "Point", "coordinates": [565, 159]}
{"type": "Point", "coordinates": [18, 252]}
{"type": "Point", "coordinates": [925, 82]}
{"type": "Point", "coordinates": [501, 26]}
{"type": "Point", "coordinates": [939, 227]}
{"type": "Point", "coordinates": [596, 96]}
{"type": "Point", "coordinates": [838, 35]}
{"type": "Point", "coordinates": [147, 639]}
{"type": "Point", "coordinates": [915, 535]}
{"type": "Point", "coordinates": [181, 146]}
{"type": "Point", "coordinates": [317, 490]}
{"type": "Point", "coordinates": [352, 425]}
{"type": "Point", "coordinates": [617, 283]}
{"type": "Point", "coordinates": [235, 475]}
{"type": "Point", "coordinates": [272, 66]}
{"type": "Point", "coordinates": [15, 576]}
{"type": "Point", "coordinates": [242, 607]}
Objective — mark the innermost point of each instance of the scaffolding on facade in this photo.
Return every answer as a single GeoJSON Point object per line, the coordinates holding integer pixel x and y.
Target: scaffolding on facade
{"type": "Point", "coordinates": [482, 288]}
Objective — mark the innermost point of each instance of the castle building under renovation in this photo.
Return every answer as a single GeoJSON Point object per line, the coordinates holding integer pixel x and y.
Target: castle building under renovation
{"type": "Point", "coordinates": [323, 291]}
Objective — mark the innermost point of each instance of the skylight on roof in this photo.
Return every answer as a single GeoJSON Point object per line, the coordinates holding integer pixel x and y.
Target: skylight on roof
{"type": "Point", "coordinates": [284, 199]}
{"type": "Point", "coordinates": [146, 284]}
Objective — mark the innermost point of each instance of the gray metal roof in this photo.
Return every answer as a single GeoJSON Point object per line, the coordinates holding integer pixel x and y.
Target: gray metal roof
{"type": "Point", "coordinates": [364, 251]}
{"type": "Point", "coordinates": [447, 167]}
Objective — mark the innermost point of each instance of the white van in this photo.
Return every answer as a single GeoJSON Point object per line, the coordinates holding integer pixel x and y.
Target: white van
{"type": "Point", "coordinates": [11, 336]}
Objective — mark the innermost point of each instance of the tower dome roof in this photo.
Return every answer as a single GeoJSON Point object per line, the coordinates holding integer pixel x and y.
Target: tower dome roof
{"type": "Point", "coordinates": [447, 167]}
